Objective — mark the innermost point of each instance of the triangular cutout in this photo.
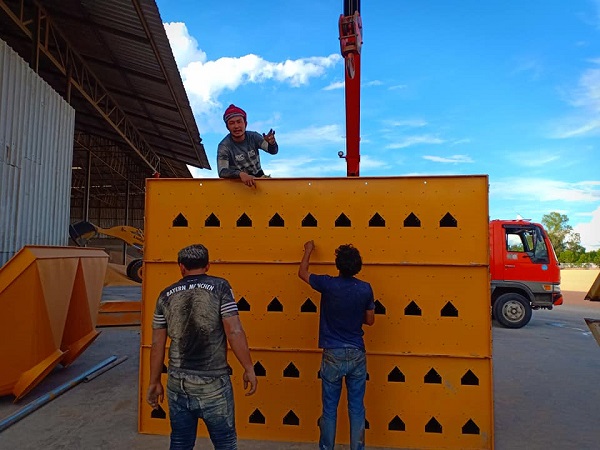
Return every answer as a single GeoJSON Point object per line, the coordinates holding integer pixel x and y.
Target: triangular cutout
{"type": "Point", "coordinates": [308, 306]}
{"type": "Point", "coordinates": [291, 419]}
{"type": "Point", "coordinates": [433, 426]}
{"type": "Point", "coordinates": [449, 310]}
{"type": "Point", "coordinates": [412, 221]}
{"type": "Point", "coordinates": [276, 221]}
{"type": "Point", "coordinates": [158, 413]}
{"type": "Point", "coordinates": [259, 370]}
{"type": "Point", "coordinates": [412, 309]}
{"type": "Point", "coordinates": [379, 308]}
{"type": "Point", "coordinates": [291, 371]}
{"type": "Point", "coordinates": [396, 424]}
{"type": "Point", "coordinates": [469, 379]}
{"type": "Point", "coordinates": [448, 221]}
{"type": "Point", "coordinates": [212, 221]}
{"type": "Point", "coordinates": [275, 306]}
{"type": "Point", "coordinates": [396, 376]}
{"type": "Point", "coordinates": [180, 221]}
{"type": "Point", "coordinates": [432, 377]}
{"type": "Point", "coordinates": [309, 221]}
{"type": "Point", "coordinates": [244, 221]}
{"type": "Point", "coordinates": [470, 428]}
{"type": "Point", "coordinates": [257, 417]}
{"type": "Point", "coordinates": [377, 221]}
{"type": "Point", "coordinates": [343, 221]}
{"type": "Point", "coordinates": [243, 305]}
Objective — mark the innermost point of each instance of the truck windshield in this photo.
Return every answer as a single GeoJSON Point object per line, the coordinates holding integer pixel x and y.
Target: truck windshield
{"type": "Point", "coordinates": [528, 240]}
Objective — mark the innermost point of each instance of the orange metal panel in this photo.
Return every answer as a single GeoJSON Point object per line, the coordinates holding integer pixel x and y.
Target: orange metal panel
{"type": "Point", "coordinates": [49, 296]}
{"type": "Point", "coordinates": [424, 242]}
{"type": "Point", "coordinates": [179, 210]}
{"type": "Point", "coordinates": [403, 395]}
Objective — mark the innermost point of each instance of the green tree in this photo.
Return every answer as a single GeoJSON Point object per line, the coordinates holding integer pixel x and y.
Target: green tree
{"type": "Point", "coordinates": [560, 232]}
{"type": "Point", "coordinates": [567, 256]}
{"type": "Point", "coordinates": [595, 257]}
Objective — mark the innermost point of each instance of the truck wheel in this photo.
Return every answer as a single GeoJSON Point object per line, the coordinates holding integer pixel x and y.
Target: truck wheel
{"type": "Point", "coordinates": [512, 310]}
{"type": "Point", "coordinates": [134, 270]}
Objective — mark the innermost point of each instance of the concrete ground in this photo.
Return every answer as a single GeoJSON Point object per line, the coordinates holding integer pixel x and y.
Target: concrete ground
{"type": "Point", "coordinates": [545, 390]}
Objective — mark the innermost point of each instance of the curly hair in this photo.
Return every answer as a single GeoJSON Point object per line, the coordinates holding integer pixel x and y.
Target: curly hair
{"type": "Point", "coordinates": [348, 260]}
{"type": "Point", "coordinates": [193, 257]}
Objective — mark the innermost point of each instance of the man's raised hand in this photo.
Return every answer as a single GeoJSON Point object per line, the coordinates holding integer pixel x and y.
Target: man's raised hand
{"type": "Point", "coordinates": [270, 137]}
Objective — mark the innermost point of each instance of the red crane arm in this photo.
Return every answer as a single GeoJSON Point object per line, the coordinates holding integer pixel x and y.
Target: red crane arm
{"type": "Point", "coordinates": [350, 26]}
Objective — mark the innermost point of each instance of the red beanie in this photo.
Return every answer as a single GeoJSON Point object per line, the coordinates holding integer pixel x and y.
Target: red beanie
{"type": "Point", "coordinates": [233, 111]}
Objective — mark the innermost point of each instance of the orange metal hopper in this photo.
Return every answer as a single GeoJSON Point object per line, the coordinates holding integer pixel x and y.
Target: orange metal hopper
{"type": "Point", "coordinates": [50, 298]}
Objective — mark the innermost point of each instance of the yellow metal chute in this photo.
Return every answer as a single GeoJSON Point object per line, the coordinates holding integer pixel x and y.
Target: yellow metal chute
{"type": "Point", "coordinates": [49, 297]}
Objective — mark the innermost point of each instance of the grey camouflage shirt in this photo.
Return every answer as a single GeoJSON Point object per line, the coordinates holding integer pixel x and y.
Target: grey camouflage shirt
{"type": "Point", "coordinates": [235, 157]}
{"type": "Point", "coordinates": [192, 311]}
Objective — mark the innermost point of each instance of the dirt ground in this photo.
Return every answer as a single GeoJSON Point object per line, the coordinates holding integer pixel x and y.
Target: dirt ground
{"type": "Point", "coordinates": [545, 389]}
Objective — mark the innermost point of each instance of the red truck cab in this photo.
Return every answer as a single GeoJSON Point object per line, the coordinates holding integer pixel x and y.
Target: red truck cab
{"type": "Point", "coordinates": [524, 270]}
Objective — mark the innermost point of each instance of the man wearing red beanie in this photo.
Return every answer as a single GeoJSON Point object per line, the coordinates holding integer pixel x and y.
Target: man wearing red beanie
{"type": "Point", "coordinates": [237, 155]}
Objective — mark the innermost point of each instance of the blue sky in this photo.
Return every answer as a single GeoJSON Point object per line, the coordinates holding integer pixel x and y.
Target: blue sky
{"type": "Point", "coordinates": [510, 89]}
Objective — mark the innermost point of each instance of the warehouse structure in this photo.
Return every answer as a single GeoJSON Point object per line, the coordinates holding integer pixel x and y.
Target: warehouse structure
{"type": "Point", "coordinates": [110, 62]}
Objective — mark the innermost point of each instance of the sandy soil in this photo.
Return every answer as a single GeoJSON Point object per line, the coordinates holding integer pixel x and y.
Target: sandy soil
{"type": "Point", "coordinates": [575, 283]}
{"type": "Point", "coordinates": [116, 275]}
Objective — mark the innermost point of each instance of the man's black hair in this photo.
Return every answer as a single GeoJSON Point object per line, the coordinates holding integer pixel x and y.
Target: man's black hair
{"type": "Point", "coordinates": [348, 260]}
{"type": "Point", "coordinates": [193, 257]}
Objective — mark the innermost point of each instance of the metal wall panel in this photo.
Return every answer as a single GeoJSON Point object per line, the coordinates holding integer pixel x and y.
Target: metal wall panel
{"type": "Point", "coordinates": [36, 151]}
{"type": "Point", "coordinates": [424, 242]}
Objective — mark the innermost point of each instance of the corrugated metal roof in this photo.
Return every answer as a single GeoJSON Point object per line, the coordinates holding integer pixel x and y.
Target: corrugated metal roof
{"type": "Point", "coordinates": [125, 45]}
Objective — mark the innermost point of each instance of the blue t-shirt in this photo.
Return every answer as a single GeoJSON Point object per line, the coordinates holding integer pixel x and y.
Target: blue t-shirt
{"type": "Point", "coordinates": [343, 305]}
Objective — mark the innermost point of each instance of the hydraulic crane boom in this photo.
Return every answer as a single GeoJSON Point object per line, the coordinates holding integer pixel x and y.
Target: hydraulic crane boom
{"type": "Point", "coordinates": [350, 25]}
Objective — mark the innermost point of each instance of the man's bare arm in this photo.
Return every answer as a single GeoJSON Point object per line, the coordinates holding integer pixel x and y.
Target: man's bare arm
{"type": "Point", "coordinates": [155, 392]}
{"type": "Point", "coordinates": [303, 272]}
{"type": "Point", "coordinates": [239, 344]}
{"type": "Point", "coordinates": [369, 317]}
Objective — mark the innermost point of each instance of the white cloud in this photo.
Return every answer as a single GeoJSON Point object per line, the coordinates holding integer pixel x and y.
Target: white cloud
{"type": "Point", "coordinates": [342, 84]}
{"type": "Point", "coordinates": [590, 231]}
{"type": "Point", "coordinates": [305, 166]}
{"type": "Point", "coordinates": [205, 80]}
{"type": "Point", "coordinates": [415, 140]}
{"type": "Point", "coordinates": [586, 97]}
{"type": "Point", "coordinates": [531, 66]}
{"type": "Point", "coordinates": [398, 86]}
{"type": "Point", "coordinates": [408, 123]}
{"type": "Point", "coordinates": [368, 162]}
{"type": "Point", "coordinates": [323, 134]}
{"type": "Point", "coordinates": [532, 159]}
{"type": "Point", "coordinates": [454, 159]}
{"type": "Point", "coordinates": [185, 47]}
{"type": "Point", "coordinates": [336, 85]}
{"type": "Point", "coordinates": [544, 190]}
{"type": "Point", "coordinates": [460, 142]}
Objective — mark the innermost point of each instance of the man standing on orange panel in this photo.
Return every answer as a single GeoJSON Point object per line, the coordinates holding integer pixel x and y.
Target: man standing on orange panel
{"type": "Point", "coordinates": [346, 304]}
{"type": "Point", "coordinates": [200, 315]}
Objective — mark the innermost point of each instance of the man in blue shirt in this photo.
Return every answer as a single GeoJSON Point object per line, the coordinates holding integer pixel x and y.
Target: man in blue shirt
{"type": "Point", "coordinates": [346, 304]}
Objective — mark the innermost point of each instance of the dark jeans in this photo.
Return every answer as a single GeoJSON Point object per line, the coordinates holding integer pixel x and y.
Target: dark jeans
{"type": "Point", "coordinates": [212, 402]}
{"type": "Point", "coordinates": [350, 363]}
